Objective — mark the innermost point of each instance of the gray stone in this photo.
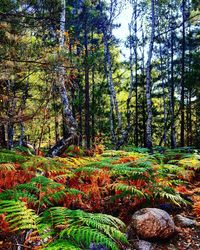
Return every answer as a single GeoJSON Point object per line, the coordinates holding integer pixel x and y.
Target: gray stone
{"type": "Point", "coordinates": [184, 221]}
{"type": "Point", "coordinates": [144, 245]}
{"type": "Point", "coordinates": [152, 223]}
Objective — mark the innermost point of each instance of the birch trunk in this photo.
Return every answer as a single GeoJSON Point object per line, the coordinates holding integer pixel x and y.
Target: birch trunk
{"type": "Point", "coordinates": [133, 84]}
{"type": "Point", "coordinates": [67, 113]}
{"type": "Point", "coordinates": [163, 93]}
{"type": "Point", "coordinates": [128, 114]}
{"type": "Point", "coordinates": [109, 81]}
{"type": "Point", "coordinates": [148, 81]}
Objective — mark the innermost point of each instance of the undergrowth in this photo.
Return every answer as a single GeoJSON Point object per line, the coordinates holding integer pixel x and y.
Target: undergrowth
{"type": "Point", "coordinates": [62, 201]}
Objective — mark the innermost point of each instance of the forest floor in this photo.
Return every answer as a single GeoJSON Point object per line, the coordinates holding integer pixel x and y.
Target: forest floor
{"type": "Point", "coordinates": [186, 238]}
{"type": "Point", "coordinates": [117, 183]}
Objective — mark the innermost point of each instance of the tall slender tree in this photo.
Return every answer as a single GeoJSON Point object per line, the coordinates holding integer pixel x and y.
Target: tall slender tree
{"type": "Point", "coordinates": [67, 113]}
{"type": "Point", "coordinates": [148, 79]}
{"type": "Point", "coordinates": [183, 76]}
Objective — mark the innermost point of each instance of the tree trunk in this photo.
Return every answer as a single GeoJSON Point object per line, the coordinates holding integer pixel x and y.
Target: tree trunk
{"type": "Point", "coordinates": [22, 126]}
{"type": "Point", "coordinates": [163, 93]}
{"type": "Point", "coordinates": [136, 73]}
{"type": "Point", "coordinates": [112, 93]}
{"type": "Point", "coordinates": [93, 105]}
{"type": "Point", "coordinates": [2, 136]}
{"type": "Point", "coordinates": [67, 114]}
{"type": "Point", "coordinates": [87, 91]}
{"type": "Point", "coordinates": [183, 78]}
{"type": "Point", "coordinates": [128, 114]}
{"type": "Point", "coordinates": [80, 98]}
{"type": "Point", "coordinates": [10, 135]}
{"type": "Point", "coordinates": [143, 92]}
{"type": "Point", "coordinates": [189, 119]}
{"type": "Point", "coordinates": [10, 112]}
{"type": "Point", "coordinates": [133, 85]}
{"type": "Point", "coordinates": [148, 81]}
{"type": "Point", "coordinates": [111, 116]}
{"type": "Point", "coordinates": [171, 95]}
{"type": "Point", "coordinates": [80, 109]}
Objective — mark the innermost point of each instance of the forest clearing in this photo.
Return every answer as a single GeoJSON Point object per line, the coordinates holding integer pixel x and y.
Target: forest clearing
{"type": "Point", "coordinates": [100, 124]}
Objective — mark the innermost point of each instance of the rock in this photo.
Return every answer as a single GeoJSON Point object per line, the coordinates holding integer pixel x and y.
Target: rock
{"type": "Point", "coordinates": [152, 223]}
{"type": "Point", "coordinates": [144, 245]}
{"type": "Point", "coordinates": [94, 246]}
{"type": "Point", "coordinates": [184, 221]}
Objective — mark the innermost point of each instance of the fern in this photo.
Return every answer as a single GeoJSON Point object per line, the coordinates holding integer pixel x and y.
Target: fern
{"type": "Point", "coordinates": [169, 194]}
{"type": "Point", "coordinates": [18, 215]}
{"type": "Point", "coordinates": [84, 235]}
{"type": "Point", "coordinates": [7, 156]}
{"type": "Point", "coordinates": [33, 190]}
{"type": "Point", "coordinates": [88, 169]}
{"type": "Point", "coordinates": [84, 228]}
{"type": "Point", "coordinates": [157, 158]}
{"type": "Point", "coordinates": [73, 191]}
{"type": "Point", "coordinates": [130, 172]}
{"type": "Point", "coordinates": [190, 162]}
{"type": "Point", "coordinates": [16, 195]}
{"type": "Point", "coordinates": [25, 150]}
{"type": "Point", "coordinates": [7, 167]}
{"type": "Point", "coordinates": [128, 190]}
{"type": "Point", "coordinates": [39, 163]}
{"type": "Point", "coordinates": [61, 245]}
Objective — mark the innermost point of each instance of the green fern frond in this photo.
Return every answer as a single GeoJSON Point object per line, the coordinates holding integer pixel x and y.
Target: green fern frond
{"type": "Point", "coordinates": [51, 191]}
{"type": "Point", "coordinates": [88, 169]}
{"type": "Point", "coordinates": [84, 235]}
{"type": "Point", "coordinates": [44, 182]}
{"type": "Point", "coordinates": [157, 158]}
{"type": "Point", "coordinates": [85, 228]}
{"type": "Point", "coordinates": [103, 163]}
{"type": "Point", "coordinates": [169, 194]}
{"type": "Point", "coordinates": [144, 163]}
{"type": "Point", "coordinates": [26, 150]}
{"type": "Point", "coordinates": [127, 189]}
{"type": "Point", "coordinates": [73, 191]}
{"type": "Point", "coordinates": [18, 215]}
{"type": "Point", "coordinates": [128, 171]}
{"type": "Point", "coordinates": [169, 168]}
{"type": "Point", "coordinates": [14, 194]}
{"type": "Point", "coordinates": [38, 163]}
{"type": "Point", "coordinates": [7, 156]}
{"type": "Point", "coordinates": [110, 231]}
{"type": "Point", "coordinates": [28, 187]}
{"type": "Point", "coordinates": [62, 245]}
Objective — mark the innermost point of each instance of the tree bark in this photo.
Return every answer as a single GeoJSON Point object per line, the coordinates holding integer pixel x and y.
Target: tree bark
{"type": "Point", "coordinates": [2, 136]}
{"type": "Point", "coordinates": [22, 126]}
{"type": "Point", "coordinates": [128, 112]}
{"type": "Point", "coordinates": [133, 84]}
{"type": "Point", "coordinates": [67, 113]}
{"type": "Point", "coordinates": [148, 81]}
{"type": "Point", "coordinates": [136, 73]}
{"type": "Point", "coordinates": [171, 95]}
{"type": "Point", "coordinates": [143, 93]}
{"type": "Point", "coordinates": [109, 81]}
{"type": "Point", "coordinates": [93, 104]}
{"type": "Point", "coordinates": [87, 90]}
{"type": "Point", "coordinates": [183, 78]}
